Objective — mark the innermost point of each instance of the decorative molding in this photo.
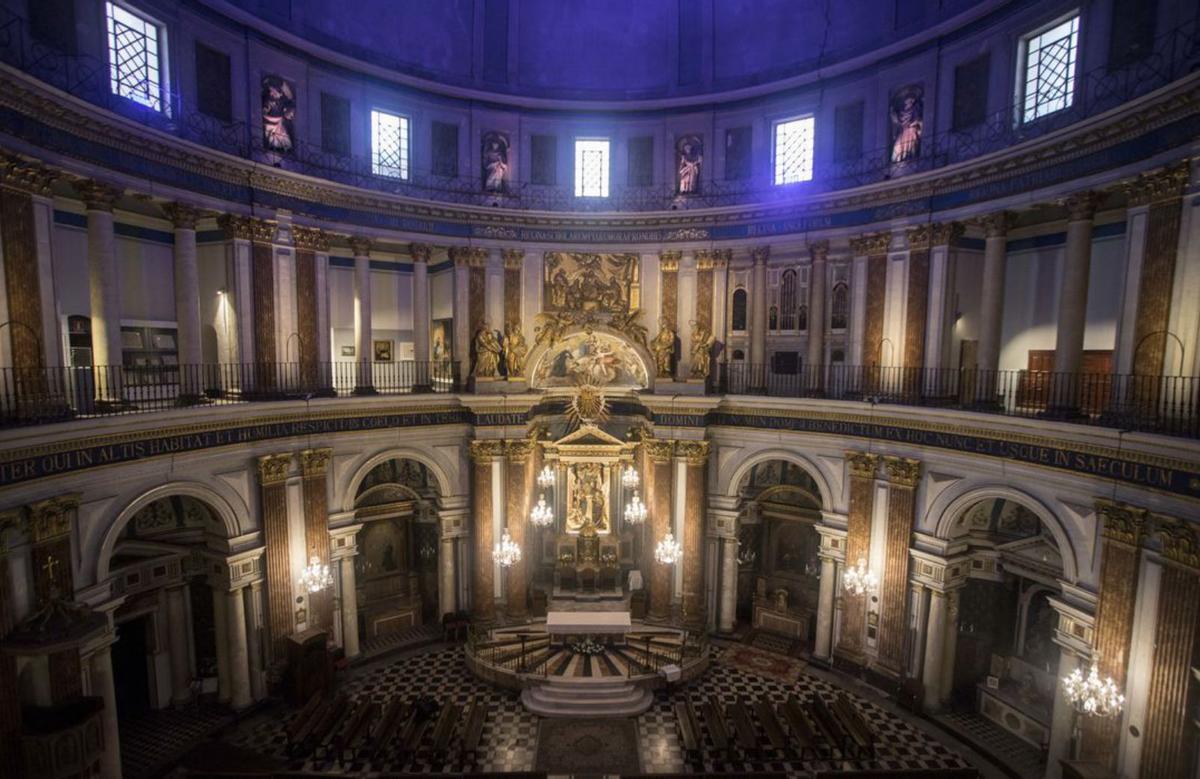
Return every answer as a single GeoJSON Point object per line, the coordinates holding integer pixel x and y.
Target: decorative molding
{"type": "Point", "coordinates": [472, 256]}
{"type": "Point", "coordinates": [29, 177]}
{"type": "Point", "coordinates": [246, 228]}
{"type": "Point", "coordinates": [518, 450]}
{"type": "Point", "coordinates": [902, 471]}
{"type": "Point", "coordinates": [420, 252]}
{"type": "Point", "coordinates": [668, 261]}
{"type": "Point", "coordinates": [273, 468]}
{"type": "Point", "coordinates": [997, 224]}
{"type": "Point", "coordinates": [819, 250]}
{"type": "Point", "coordinates": [314, 462]}
{"type": "Point", "coordinates": [1159, 185]}
{"type": "Point", "coordinates": [1081, 206]}
{"type": "Point", "coordinates": [936, 234]}
{"type": "Point", "coordinates": [50, 520]}
{"type": "Point", "coordinates": [1121, 522]}
{"type": "Point", "coordinates": [1180, 543]}
{"type": "Point", "coordinates": [715, 259]}
{"type": "Point", "coordinates": [862, 464]}
{"type": "Point", "coordinates": [514, 259]}
{"type": "Point", "coordinates": [694, 452]}
{"type": "Point", "coordinates": [312, 238]}
{"type": "Point", "coordinates": [96, 195]}
{"type": "Point", "coordinates": [659, 451]}
{"type": "Point", "coordinates": [870, 244]}
{"type": "Point", "coordinates": [760, 254]}
{"type": "Point", "coordinates": [483, 452]}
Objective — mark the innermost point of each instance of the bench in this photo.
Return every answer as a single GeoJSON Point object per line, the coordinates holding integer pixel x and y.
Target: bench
{"type": "Point", "coordinates": [320, 724]}
{"type": "Point", "coordinates": [715, 723]}
{"type": "Point", "coordinates": [357, 730]}
{"type": "Point", "coordinates": [855, 726]}
{"type": "Point", "coordinates": [827, 724]}
{"type": "Point", "coordinates": [808, 742]}
{"type": "Point", "coordinates": [414, 732]}
{"type": "Point", "coordinates": [689, 729]}
{"type": "Point", "coordinates": [743, 727]}
{"type": "Point", "coordinates": [303, 716]}
{"type": "Point", "coordinates": [443, 730]}
{"type": "Point", "coordinates": [392, 721]}
{"type": "Point", "coordinates": [771, 725]}
{"type": "Point", "coordinates": [327, 729]}
{"type": "Point", "coordinates": [473, 729]}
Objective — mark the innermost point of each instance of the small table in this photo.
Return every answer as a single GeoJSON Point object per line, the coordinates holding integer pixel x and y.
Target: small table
{"type": "Point", "coordinates": [588, 623]}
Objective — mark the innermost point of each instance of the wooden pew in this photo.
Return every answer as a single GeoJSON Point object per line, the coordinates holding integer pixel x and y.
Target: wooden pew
{"type": "Point", "coordinates": [443, 731]}
{"type": "Point", "coordinates": [357, 731]}
{"type": "Point", "coordinates": [822, 717]}
{"type": "Point", "coordinates": [323, 734]}
{"type": "Point", "coordinates": [689, 730]}
{"type": "Point", "coordinates": [473, 730]}
{"type": "Point", "coordinates": [771, 725]}
{"type": "Point", "coordinates": [809, 744]}
{"type": "Point", "coordinates": [414, 733]}
{"type": "Point", "coordinates": [743, 726]}
{"type": "Point", "coordinates": [859, 729]}
{"type": "Point", "coordinates": [303, 716]}
{"type": "Point", "coordinates": [385, 732]}
{"type": "Point", "coordinates": [715, 722]}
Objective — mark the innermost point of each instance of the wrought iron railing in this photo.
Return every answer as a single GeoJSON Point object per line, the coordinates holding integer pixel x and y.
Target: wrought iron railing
{"type": "Point", "coordinates": [1174, 54]}
{"type": "Point", "coordinates": [1156, 404]}
{"type": "Point", "coordinates": [41, 395]}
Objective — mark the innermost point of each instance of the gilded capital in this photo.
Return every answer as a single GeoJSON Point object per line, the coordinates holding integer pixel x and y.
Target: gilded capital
{"type": "Point", "coordinates": [862, 464]}
{"type": "Point", "coordinates": [997, 224]}
{"type": "Point", "coordinates": [518, 450]}
{"type": "Point", "coordinates": [870, 244]}
{"type": "Point", "coordinates": [314, 462]}
{"type": "Point", "coordinates": [760, 254]}
{"type": "Point", "coordinates": [420, 252]}
{"type": "Point", "coordinates": [30, 177]}
{"type": "Point", "coordinates": [1120, 522]}
{"type": "Point", "coordinates": [902, 471]}
{"type": "Point", "coordinates": [311, 238]}
{"type": "Point", "coordinates": [246, 228]}
{"type": "Point", "coordinates": [925, 236]}
{"type": "Point", "coordinates": [1180, 543]}
{"type": "Point", "coordinates": [694, 452]}
{"type": "Point", "coordinates": [1082, 206]}
{"type": "Point", "coordinates": [50, 519]}
{"type": "Point", "coordinates": [659, 451]}
{"type": "Point", "coordinates": [468, 255]}
{"type": "Point", "coordinates": [182, 215]}
{"type": "Point", "coordinates": [273, 468]}
{"type": "Point", "coordinates": [483, 452]}
{"type": "Point", "coordinates": [1157, 186]}
{"type": "Point", "coordinates": [96, 195]}
{"type": "Point", "coordinates": [668, 261]}
{"type": "Point", "coordinates": [713, 260]}
{"type": "Point", "coordinates": [819, 251]}
{"type": "Point", "coordinates": [514, 259]}
{"type": "Point", "coordinates": [360, 245]}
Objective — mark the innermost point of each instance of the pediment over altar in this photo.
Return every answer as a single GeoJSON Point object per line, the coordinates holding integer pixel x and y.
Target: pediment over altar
{"type": "Point", "coordinates": [590, 443]}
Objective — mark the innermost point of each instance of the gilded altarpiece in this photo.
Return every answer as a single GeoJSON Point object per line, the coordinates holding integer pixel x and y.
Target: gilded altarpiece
{"type": "Point", "coordinates": [579, 282]}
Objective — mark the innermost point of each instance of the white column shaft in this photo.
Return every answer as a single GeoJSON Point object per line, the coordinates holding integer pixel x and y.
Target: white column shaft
{"type": "Point", "coordinates": [935, 646]}
{"type": "Point", "coordinates": [187, 300]}
{"type": "Point", "coordinates": [177, 629]}
{"type": "Point", "coordinates": [105, 296]}
{"type": "Point", "coordinates": [1072, 297]}
{"type": "Point", "coordinates": [729, 580]}
{"type": "Point", "coordinates": [102, 685]}
{"type": "Point", "coordinates": [758, 314]}
{"type": "Point", "coordinates": [258, 681]}
{"type": "Point", "coordinates": [823, 646]}
{"type": "Point", "coordinates": [991, 314]}
{"type": "Point", "coordinates": [221, 624]}
{"type": "Point", "coordinates": [239, 664]}
{"type": "Point", "coordinates": [462, 316]}
{"type": "Point", "coordinates": [447, 601]}
{"type": "Point", "coordinates": [420, 307]}
{"type": "Point", "coordinates": [362, 320]}
{"type": "Point", "coordinates": [1062, 720]}
{"type": "Point", "coordinates": [349, 609]}
{"type": "Point", "coordinates": [687, 283]}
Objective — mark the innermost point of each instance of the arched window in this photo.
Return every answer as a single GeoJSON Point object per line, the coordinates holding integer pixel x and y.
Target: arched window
{"type": "Point", "coordinates": [802, 318]}
{"type": "Point", "coordinates": [787, 300]}
{"type": "Point", "coordinates": [840, 307]}
{"type": "Point", "coordinates": [739, 310]}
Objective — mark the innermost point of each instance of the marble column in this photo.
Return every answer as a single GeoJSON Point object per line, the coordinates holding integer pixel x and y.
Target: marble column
{"type": "Point", "coordinates": [861, 466]}
{"type": "Point", "coordinates": [823, 645]}
{"type": "Point", "coordinates": [462, 311]}
{"type": "Point", "coordinates": [1062, 717]}
{"type": "Point", "coordinates": [903, 475]}
{"type": "Point", "coordinates": [315, 487]}
{"type": "Point", "coordinates": [517, 520]}
{"type": "Point", "coordinates": [949, 644]}
{"type": "Point", "coordinates": [101, 672]}
{"type": "Point", "coordinates": [178, 633]}
{"type": "Point", "coordinates": [687, 308]}
{"type": "Point", "coordinates": [187, 298]}
{"type": "Point", "coordinates": [105, 288]}
{"type": "Point", "coordinates": [239, 665]}
{"type": "Point", "coordinates": [729, 581]}
{"type": "Point", "coordinates": [818, 286]}
{"type": "Point", "coordinates": [660, 454]}
{"type": "Point", "coordinates": [421, 252]}
{"type": "Point", "coordinates": [312, 307]}
{"type": "Point", "coordinates": [991, 315]}
{"type": "Point", "coordinates": [1168, 749]}
{"type": "Point", "coordinates": [273, 474]}
{"type": "Point", "coordinates": [483, 585]}
{"type": "Point", "coordinates": [718, 303]}
{"type": "Point", "coordinates": [447, 587]}
{"type": "Point", "coordinates": [758, 317]}
{"type": "Point", "coordinates": [349, 608]}
{"type": "Point", "coordinates": [363, 346]}
{"type": "Point", "coordinates": [1072, 302]}
{"type": "Point", "coordinates": [935, 647]}
{"type": "Point", "coordinates": [695, 454]}
{"type": "Point", "coordinates": [939, 324]}
{"type": "Point", "coordinates": [1121, 531]}
{"type": "Point", "coordinates": [236, 333]}
{"type": "Point", "coordinates": [258, 681]}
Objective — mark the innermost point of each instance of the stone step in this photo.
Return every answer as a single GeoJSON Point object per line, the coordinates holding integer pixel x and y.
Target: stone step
{"type": "Point", "coordinates": [591, 697]}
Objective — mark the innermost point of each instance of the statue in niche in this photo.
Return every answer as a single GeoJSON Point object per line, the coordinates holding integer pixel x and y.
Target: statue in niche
{"type": "Point", "coordinates": [515, 350]}
{"type": "Point", "coordinates": [908, 122]}
{"type": "Point", "coordinates": [702, 344]}
{"type": "Point", "coordinates": [663, 348]}
{"type": "Point", "coordinates": [279, 113]}
{"type": "Point", "coordinates": [689, 153]}
{"type": "Point", "coordinates": [495, 162]}
{"type": "Point", "coordinates": [487, 353]}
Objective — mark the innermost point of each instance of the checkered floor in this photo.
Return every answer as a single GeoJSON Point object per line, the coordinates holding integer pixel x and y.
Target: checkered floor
{"type": "Point", "coordinates": [154, 741]}
{"type": "Point", "coordinates": [510, 736]}
{"type": "Point", "coordinates": [1020, 757]}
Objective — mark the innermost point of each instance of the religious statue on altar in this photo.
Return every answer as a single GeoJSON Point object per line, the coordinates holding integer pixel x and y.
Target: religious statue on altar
{"type": "Point", "coordinates": [702, 344]}
{"type": "Point", "coordinates": [515, 350]}
{"type": "Point", "coordinates": [663, 347]}
{"type": "Point", "coordinates": [487, 353]}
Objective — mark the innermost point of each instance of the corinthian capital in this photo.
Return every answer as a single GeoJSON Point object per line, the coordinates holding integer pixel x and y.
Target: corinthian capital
{"type": "Point", "coordinates": [997, 224]}
{"type": "Point", "coordinates": [182, 215]}
{"type": "Point", "coordinates": [1082, 206]}
{"type": "Point", "coordinates": [862, 464]}
{"type": "Point", "coordinates": [98, 196]}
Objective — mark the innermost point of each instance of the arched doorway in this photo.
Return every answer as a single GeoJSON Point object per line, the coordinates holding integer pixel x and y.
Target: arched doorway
{"type": "Point", "coordinates": [1005, 659]}
{"type": "Point", "coordinates": [396, 567]}
{"type": "Point", "coordinates": [778, 574]}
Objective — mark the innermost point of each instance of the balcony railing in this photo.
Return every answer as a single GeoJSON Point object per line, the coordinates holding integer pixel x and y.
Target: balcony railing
{"type": "Point", "coordinates": [1169, 405]}
{"type": "Point", "coordinates": [43, 395]}
{"type": "Point", "coordinates": [1173, 55]}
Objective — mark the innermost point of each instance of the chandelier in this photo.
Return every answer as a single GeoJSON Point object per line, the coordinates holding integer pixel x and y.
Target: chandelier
{"type": "Point", "coordinates": [859, 580]}
{"type": "Point", "coordinates": [542, 515]}
{"type": "Point", "coordinates": [507, 553]}
{"type": "Point", "coordinates": [635, 510]}
{"type": "Point", "coordinates": [316, 577]}
{"type": "Point", "coordinates": [629, 478]}
{"type": "Point", "coordinates": [668, 550]}
{"type": "Point", "coordinates": [545, 478]}
{"type": "Point", "coordinates": [1091, 695]}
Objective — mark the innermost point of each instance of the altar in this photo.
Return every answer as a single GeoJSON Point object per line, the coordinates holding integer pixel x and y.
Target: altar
{"type": "Point", "coordinates": [589, 623]}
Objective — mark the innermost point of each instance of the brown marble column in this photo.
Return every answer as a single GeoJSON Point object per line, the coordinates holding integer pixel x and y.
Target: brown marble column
{"type": "Point", "coordinates": [520, 483]}
{"type": "Point", "coordinates": [668, 269]}
{"type": "Point", "coordinates": [660, 454]}
{"type": "Point", "coordinates": [916, 309]}
{"type": "Point", "coordinates": [862, 466]}
{"type": "Point", "coordinates": [1170, 705]}
{"type": "Point", "coordinates": [818, 288]}
{"type": "Point", "coordinates": [262, 272]}
{"type": "Point", "coordinates": [875, 248]}
{"type": "Point", "coordinates": [705, 263]}
{"type": "Point", "coordinates": [1121, 531]}
{"type": "Point", "coordinates": [309, 242]}
{"type": "Point", "coordinates": [902, 475]}
{"type": "Point", "coordinates": [314, 464]}
{"type": "Point", "coordinates": [272, 475]}
{"type": "Point", "coordinates": [10, 694]}
{"type": "Point", "coordinates": [483, 595]}
{"type": "Point", "coordinates": [695, 454]}
{"type": "Point", "coordinates": [472, 261]}
{"type": "Point", "coordinates": [514, 261]}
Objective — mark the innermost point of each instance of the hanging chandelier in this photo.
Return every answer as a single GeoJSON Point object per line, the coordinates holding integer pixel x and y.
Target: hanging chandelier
{"type": "Point", "coordinates": [507, 553]}
{"type": "Point", "coordinates": [1092, 696]}
{"type": "Point", "coordinates": [542, 515]}
{"type": "Point", "coordinates": [316, 576]}
{"type": "Point", "coordinates": [635, 510]}
{"type": "Point", "coordinates": [668, 550]}
{"type": "Point", "coordinates": [545, 477]}
{"type": "Point", "coordinates": [859, 579]}
{"type": "Point", "coordinates": [630, 479]}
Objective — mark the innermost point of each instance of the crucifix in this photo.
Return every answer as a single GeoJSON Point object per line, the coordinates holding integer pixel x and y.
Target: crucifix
{"type": "Point", "coordinates": [49, 566]}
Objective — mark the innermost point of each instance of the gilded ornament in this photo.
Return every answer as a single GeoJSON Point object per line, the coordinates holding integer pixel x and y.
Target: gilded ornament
{"type": "Point", "coordinates": [514, 259]}
{"type": "Point", "coordinates": [871, 244]}
{"type": "Point", "coordinates": [50, 519]}
{"type": "Point", "coordinates": [702, 344]}
{"type": "Point", "coordinates": [273, 468]}
{"type": "Point", "coordinates": [590, 283]}
{"type": "Point", "coordinates": [862, 464]}
{"type": "Point", "coordinates": [24, 176]}
{"type": "Point", "coordinates": [715, 259]}
{"type": "Point", "coordinates": [1121, 522]}
{"type": "Point", "coordinates": [694, 452]}
{"type": "Point", "coordinates": [659, 451]}
{"type": "Point", "coordinates": [518, 450]}
{"type": "Point", "coordinates": [515, 350]}
{"type": "Point", "coordinates": [486, 451]}
{"type": "Point", "coordinates": [314, 462]}
{"type": "Point", "coordinates": [96, 195]}
{"type": "Point", "coordinates": [668, 261]}
{"type": "Point", "coordinates": [471, 256]}
{"type": "Point", "coordinates": [924, 236]}
{"type": "Point", "coordinates": [487, 353]}
{"type": "Point", "coordinates": [663, 348]}
{"type": "Point", "coordinates": [628, 324]}
{"type": "Point", "coordinates": [902, 471]}
{"type": "Point", "coordinates": [420, 252]}
{"type": "Point", "coordinates": [549, 328]}
{"type": "Point", "coordinates": [247, 228]}
{"type": "Point", "coordinates": [1159, 185]}
{"type": "Point", "coordinates": [311, 238]}
{"type": "Point", "coordinates": [1180, 543]}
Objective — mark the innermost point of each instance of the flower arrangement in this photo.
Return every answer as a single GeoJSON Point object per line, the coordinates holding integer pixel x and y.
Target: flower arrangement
{"type": "Point", "coordinates": [566, 558]}
{"type": "Point", "coordinates": [587, 647]}
{"type": "Point", "coordinates": [609, 558]}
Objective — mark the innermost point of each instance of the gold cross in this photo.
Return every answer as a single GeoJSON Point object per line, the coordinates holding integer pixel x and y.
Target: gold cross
{"type": "Point", "coordinates": [49, 566]}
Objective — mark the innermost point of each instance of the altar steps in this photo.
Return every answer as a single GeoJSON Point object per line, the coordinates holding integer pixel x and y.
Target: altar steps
{"type": "Point", "coordinates": [597, 696]}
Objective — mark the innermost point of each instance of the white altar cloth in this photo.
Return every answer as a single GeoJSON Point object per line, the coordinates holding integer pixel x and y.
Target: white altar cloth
{"type": "Point", "coordinates": [588, 622]}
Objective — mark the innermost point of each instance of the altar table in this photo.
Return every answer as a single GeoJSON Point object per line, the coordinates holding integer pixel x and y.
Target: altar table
{"type": "Point", "coordinates": [588, 622]}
